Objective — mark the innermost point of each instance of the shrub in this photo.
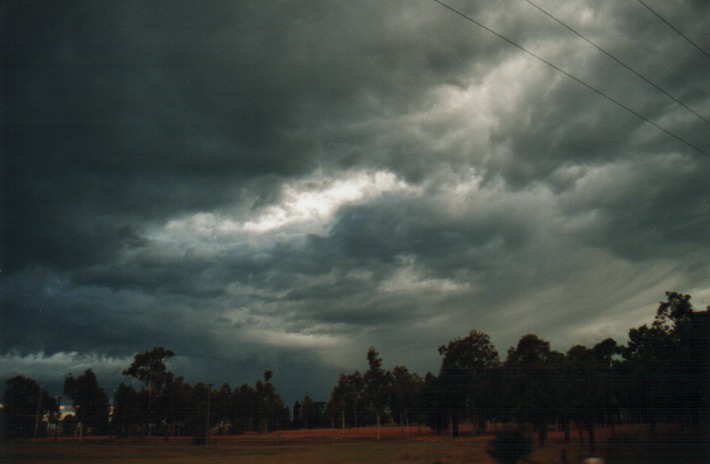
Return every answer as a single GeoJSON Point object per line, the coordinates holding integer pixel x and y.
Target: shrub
{"type": "Point", "coordinates": [509, 446]}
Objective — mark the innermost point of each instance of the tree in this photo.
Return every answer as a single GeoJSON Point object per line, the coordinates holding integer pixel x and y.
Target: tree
{"type": "Point", "coordinates": [377, 383]}
{"type": "Point", "coordinates": [126, 409]}
{"type": "Point", "coordinates": [474, 352]}
{"type": "Point", "coordinates": [149, 367]}
{"type": "Point", "coordinates": [585, 389]}
{"type": "Point", "coordinates": [25, 402]}
{"type": "Point", "coordinates": [607, 353]}
{"type": "Point", "coordinates": [669, 358]}
{"type": "Point", "coordinates": [531, 368]}
{"type": "Point", "coordinates": [296, 422]}
{"type": "Point", "coordinates": [406, 391]}
{"type": "Point", "coordinates": [270, 407]}
{"type": "Point", "coordinates": [243, 408]}
{"type": "Point", "coordinates": [221, 401]}
{"type": "Point", "coordinates": [466, 370]}
{"type": "Point", "coordinates": [308, 413]}
{"type": "Point", "coordinates": [453, 386]}
{"type": "Point", "coordinates": [347, 399]}
{"type": "Point", "coordinates": [435, 412]}
{"type": "Point", "coordinates": [200, 421]}
{"type": "Point", "coordinates": [88, 399]}
{"type": "Point", "coordinates": [176, 404]}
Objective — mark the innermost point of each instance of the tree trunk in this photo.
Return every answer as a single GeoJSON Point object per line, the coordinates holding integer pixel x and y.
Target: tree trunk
{"type": "Point", "coordinates": [592, 437]}
{"type": "Point", "coordinates": [542, 432]}
{"type": "Point", "coordinates": [406, 423]}
{"type": "Point", "coordinates": [377, 417]}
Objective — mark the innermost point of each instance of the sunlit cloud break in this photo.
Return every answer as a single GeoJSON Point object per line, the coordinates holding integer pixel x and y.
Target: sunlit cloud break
{"type": "Point", "coordinates": [306, 206]}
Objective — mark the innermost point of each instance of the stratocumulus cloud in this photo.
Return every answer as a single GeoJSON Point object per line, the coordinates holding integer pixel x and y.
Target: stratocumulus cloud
{"type": "Point", "coordinates": [260, 185]}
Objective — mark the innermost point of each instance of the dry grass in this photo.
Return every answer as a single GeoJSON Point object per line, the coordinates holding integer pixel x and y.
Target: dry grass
{"type": "Point", "coordinates": [414, 446]}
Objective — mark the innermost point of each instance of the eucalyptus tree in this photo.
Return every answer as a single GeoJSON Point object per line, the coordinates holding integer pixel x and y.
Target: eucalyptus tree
{"type": "Point", "coordinates": [669, 359]}
{"type": "Point", "coordinates": [467, 367]}
{"type": "Point", "coordinates": [126, 409]}
{"type": "Point", "coordinates": [405, 394]}
{"type": "Point", "coordinates": [243, 410]}
{"type": "Point", "coordinates": [89, 401]}
{"type": "Point", "coordinates": [271, 411]}
{"type": "Point", "coordinates": [347, 399]}
{"type": "Point", "coordinates": [309, 412]}
{"type": "Point", "coordinates": [532, 370]}
{"type": "Point", "coordinates": [584, 394]}
{"type": "Point", "coordinates": [377, 386]}
{"type": "Point", "coordinates": [150, 368]}
{"type": "Point", "coordinates": [25, 402]}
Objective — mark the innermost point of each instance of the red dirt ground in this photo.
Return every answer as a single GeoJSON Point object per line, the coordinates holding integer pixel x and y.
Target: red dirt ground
{"type": "Point", "coordinates": [414, 445]}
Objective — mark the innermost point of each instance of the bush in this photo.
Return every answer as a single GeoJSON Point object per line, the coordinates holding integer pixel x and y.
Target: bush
{"type": "Point", "coordinates": [509, 446]}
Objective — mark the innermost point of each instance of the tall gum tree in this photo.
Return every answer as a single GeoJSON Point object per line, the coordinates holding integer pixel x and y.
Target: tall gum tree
{"type": "Point", "coordinates": [377, 382]}
{"type": "Point", "coordinates": [149, 367]}
{"type": "Point", "coordinates": [88, 399]}
{"type": "Point", "coordinates": [467, 367]}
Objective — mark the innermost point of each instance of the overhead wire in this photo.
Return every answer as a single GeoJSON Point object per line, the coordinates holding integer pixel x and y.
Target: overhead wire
{"type": "Point", "coordinates": [658, 15]}
{"type": "Point", "coordinates": [638, 74]}
{"type": "Point", "coordinates": [576, 79]}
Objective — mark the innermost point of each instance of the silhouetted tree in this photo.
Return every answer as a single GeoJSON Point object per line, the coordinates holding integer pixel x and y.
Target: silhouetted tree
{"type": "Point", "coordinates": [435, 412]}
{"type": "Point", "coordinates": [176, 406]}
{"type": "Point", "coordinates": [271, 412]}
{"type": "Point", "coordinates": [465, 374]}
{"type": "Point", "coordinates": [406, 392]}
{"type": "Point", "coordinates": [669, 359]}
{"type": "Point", "coordinates": [89, 401]}
{"type": "Point", "coordinates": [309, 413]}
{"type": "Point", "coordinates": [585, 390]}
{"type": "Point", "coordinates": [127, 412]}
{"type": "Point", "coordinates": [25, 402]}
{"type": "Point", "coordinates": [296, 422]}
{"type": "Point", "coordinates": [200, 421]}
{"type": "Point", "coordinates": [221, 402]}
{"type": "Point", "coordinates": [347, 399]}
{"type": "Point", "coordinates": [244, 408]}
{"type": "Point", "coordinates": [533, 370]}
{"type": "Point", "coordinates": [149, 367]}
{"type": "Point", "coordinates": [377, 382]}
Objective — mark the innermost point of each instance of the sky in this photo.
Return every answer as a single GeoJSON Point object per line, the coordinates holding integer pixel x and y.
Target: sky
{"type": "Point", "coordinates": [283, 184]}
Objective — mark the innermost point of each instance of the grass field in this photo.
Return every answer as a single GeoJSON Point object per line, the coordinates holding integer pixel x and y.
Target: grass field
{"type": "Point", "coordinates": [414, 446]}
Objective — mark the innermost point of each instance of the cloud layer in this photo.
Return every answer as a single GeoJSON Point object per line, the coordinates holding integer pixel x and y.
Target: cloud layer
{"type": "Point", "coordinates": [280, 185]}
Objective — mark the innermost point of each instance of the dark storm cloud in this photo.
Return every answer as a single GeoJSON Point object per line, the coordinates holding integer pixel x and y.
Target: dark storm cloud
{"type": "Point", "coordinates": [137, 111]}
{"type": "Point", "coordinates": [280, 185]}
{"type": "Point", "coordinates": [658, 213]}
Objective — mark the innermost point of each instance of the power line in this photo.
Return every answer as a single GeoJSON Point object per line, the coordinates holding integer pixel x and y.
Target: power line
{"type": "Point", "coordinates": [580, 81]}
{"type": "Point", "coordinates": [675, 29]}
{"type": "Point", "coordinates": [655, 86]}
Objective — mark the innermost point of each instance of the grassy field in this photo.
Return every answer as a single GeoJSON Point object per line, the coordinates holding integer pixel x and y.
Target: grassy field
{"type": "Point", "coordinates": [629, 445]}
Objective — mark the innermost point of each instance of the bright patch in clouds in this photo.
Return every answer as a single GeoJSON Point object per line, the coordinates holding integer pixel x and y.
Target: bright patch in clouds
{"type": "Point", "coordinates": [306, 206]}
{"type": "Point", "coordinates": [410, 278]}
{"type": "Point", "coordinates": [316, 200]}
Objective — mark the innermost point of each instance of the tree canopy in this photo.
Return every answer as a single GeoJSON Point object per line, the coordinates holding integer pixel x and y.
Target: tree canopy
{"type": "Point", "coordinates": [662, 374]}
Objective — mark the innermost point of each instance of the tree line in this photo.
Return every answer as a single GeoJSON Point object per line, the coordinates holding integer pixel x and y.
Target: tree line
{"type": "Point", "coordinates": [661, 375]}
